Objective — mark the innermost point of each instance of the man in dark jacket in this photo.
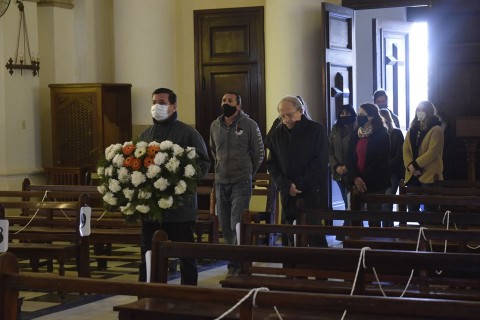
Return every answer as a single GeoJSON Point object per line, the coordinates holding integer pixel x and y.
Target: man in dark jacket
{"type": "Point", "coordinates": [180, 222]}
{"type": "Point", "coordinates": [298, 162]}
{"type": "Point", "coordinates": [380, 98]}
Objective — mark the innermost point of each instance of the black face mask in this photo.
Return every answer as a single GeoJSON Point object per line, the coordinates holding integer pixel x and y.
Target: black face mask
{"type": "Point", "coordinates": [362, 120]}
{"type": "Point", "coordinates": [228, 110]}
{"type": "Point", "coordinates": [346, 119]}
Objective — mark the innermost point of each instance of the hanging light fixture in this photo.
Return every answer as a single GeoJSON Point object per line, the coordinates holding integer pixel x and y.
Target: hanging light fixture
{"type": "Point", "coordinates": [23, 60]}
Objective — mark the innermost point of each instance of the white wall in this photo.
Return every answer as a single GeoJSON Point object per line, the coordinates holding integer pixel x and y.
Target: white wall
{"type": "Point", "coordinates": [19, 105]}
{"type": "Point", "coordinates": [148, 43]}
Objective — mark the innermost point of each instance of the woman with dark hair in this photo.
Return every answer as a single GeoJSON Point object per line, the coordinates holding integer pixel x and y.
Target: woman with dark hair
{"type": "Point", "coordinates": [339, 142]}
{"type": "Point", "coordinates": [370, 151]}
{"type": "Point", "coordinates": [423, 149]}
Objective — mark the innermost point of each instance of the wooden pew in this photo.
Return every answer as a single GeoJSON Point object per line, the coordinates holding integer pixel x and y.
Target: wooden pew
{"type": "Point", "coordinates": [393, 238]}
{"type": "Point", "coordinates": [163, 301]}
{"type": "Point", "coordinates": [110, 228]}
{"type": "Point", "coordinates": [312, 269]}
{"type": "Point", "coordinates": [46, 236]}
{"type": "Point", "coordinates": [440, 189]}
{"type": "Point", "coordinates": [447, 202]}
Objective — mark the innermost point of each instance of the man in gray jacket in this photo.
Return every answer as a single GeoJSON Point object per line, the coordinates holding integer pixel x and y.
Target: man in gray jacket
{"type": "Point", "coordinates": [237, 149]}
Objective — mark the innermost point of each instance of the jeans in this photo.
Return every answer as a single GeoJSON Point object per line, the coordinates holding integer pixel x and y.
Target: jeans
{"type": "Point", "coordinates": [414, 182]}
{"type": "Point", "coordinates": [177, 231]}
{"type": "Point", "coordinates": [232, 199]}
{"type": "Point", "coordinates": [344, 192]}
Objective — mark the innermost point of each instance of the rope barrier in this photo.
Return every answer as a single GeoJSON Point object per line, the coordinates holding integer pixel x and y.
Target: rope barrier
{"type": "Point", "coordinates": [254, 291]}
{"type": "Point", "coordinates": [100, 218]}
{"type": "Point", "coordinates": [34, 215]}
{"type": "Point", "coordinates": [361, 261]}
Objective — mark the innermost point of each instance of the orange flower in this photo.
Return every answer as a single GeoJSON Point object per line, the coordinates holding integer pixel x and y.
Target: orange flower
{"type": "Point", "coordinates": [148, 161]}
{"type": "Point", "coordinates": [152, 150]}
{"type": "Point", "coordinates": [127, 150]}
{"type": "Point", "coordinates": [136, 164]}
{"type": "Point", "coordinates": [128, 161]}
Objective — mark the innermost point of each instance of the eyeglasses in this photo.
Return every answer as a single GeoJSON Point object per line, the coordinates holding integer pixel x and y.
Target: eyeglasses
{"type": "Point", "coordinates": [288, 115]}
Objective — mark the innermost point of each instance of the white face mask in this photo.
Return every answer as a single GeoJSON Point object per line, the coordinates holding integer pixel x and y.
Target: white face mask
{"type": "Point", "coordinates": [159, 112]}
{"type": "Point", "coordinates": [421, 115]}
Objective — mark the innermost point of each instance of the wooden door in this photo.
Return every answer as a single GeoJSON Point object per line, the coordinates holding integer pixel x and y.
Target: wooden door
{"type": "Point", "coordinates": [338, 26]}
{"type": "Point", "coordinates": [391, 60]}
{"type": "Point", "coordinates": [339, 60]}
{"type": "Point", "coordinates": [229, 51]}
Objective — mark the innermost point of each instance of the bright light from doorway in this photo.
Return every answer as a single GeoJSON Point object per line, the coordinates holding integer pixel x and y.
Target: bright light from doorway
{"type": "Point", "coordinates": [418, 65]}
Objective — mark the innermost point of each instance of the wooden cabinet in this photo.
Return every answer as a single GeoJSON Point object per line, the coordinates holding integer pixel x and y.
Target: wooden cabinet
{"type": "Point", "coordinates": [87, 118]}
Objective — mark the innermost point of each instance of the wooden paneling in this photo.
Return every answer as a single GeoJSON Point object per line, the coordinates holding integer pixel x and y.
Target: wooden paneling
{"type": "Point", "coordinates": [87, 118]}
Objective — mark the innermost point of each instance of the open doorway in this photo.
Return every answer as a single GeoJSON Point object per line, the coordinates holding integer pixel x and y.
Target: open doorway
{"type": "Point", "coordinates": [411, 69]}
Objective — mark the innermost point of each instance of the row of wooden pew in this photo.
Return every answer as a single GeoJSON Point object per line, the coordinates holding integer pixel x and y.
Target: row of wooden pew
{"type": "Point", "coordinates": [460, 271]}
{"type": "Point", "coordinates": [324, 299]}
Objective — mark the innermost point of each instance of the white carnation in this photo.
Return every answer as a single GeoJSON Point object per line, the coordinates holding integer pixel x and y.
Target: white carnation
{"type": "Point", "coordinates": [161, 184]}
{"type": "Point", "coordinates": [172, 164]}
{"type": "Point", "coordinates": [138, 178]}
{"type": "Point", "coordinates": [110, 198]}
{"type": "Point", "coordinates": [100, 171]}
{"type": "Point", "coordinates": [143, 208]}
{"type": "Point", "coordinates": [166, 145]}
{"type": "Point", "coordinates": [189, 171]}
{"type": "Point", "coordinates": [153, 171]}
{"type": "Point", "coordinates": [118, 160]}
{"type": "Point", "coordinates": [177, 150]}
{"type": "Point", "coordinates": [191, 153]}
{"type": "Point", "coordinates": [114, 185]}
{"type": "Point", "coordinates": [128, 209]}
{"type": "Point", "coordinates": [142, 144]}
{"type": "Point", "coordinates": [102, 189]}
{"type": "Point", "coordinates": [123, 175]}
{"type": "Point", "coordinates": [160, 158]}
{"type": "Point", "coordinates": [109, 172]}
{"type": "Point", "coordinates": [154, 144]}
{"type": "Point", "coordinates": [181, 187]}
{"type": "Point", "coordinates": [128, 193]}
{"type": "Point", "coordinates": [165, 203]}
{"type": "Point", "coordinates": [142, 194]}
{"type": "Point", "coordinates": [112, 150]}
{"type": "Point", "coordinates": [128, 143]}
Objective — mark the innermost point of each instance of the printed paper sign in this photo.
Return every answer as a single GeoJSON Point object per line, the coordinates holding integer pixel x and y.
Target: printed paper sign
{"type": "Point", "coordinates": [85, 216]}
{"type": "Point", "coordinates": [4, 235]}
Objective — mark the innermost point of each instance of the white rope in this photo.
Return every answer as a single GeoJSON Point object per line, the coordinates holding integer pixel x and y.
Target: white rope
{"type": "Point", "coordinates": [34, 215]}
{"type": "Point", "coordinates": [102, 215]}
{"type": "Point", "coordinates": [361, 262]}
{"type": "Point", "coordinates": [468, 246]}
{"type": "Point", "coordinates": [66, 216]}
{"type": "Point", "coordinates": [254, 291]}
{"type": "Point", "coordinates": [421, 234]}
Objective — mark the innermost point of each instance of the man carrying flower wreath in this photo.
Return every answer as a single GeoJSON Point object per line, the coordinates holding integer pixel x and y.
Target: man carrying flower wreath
{"type": "Point", "coordinates": [179, 223]}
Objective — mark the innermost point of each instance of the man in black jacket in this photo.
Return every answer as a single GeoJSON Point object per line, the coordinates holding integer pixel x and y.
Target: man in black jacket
{"type": "Point", "coordinates": [298, 162]}
{"type": "Point", "coordinates": [179, 223]}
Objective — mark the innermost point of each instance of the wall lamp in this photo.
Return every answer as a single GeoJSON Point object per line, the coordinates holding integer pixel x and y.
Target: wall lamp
{"type": "Point", "coordinates": [23, 61]}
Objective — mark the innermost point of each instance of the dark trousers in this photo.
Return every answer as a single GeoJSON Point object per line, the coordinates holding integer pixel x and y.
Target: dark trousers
{"type": "Point", "coordinates": [371, 207]}
{"type": "Point", "coordinates": [313, 200]}
{"type": "Point", "coordinates": [177, 231]}
{"type": "Point", "coordinates": [414, 182]}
